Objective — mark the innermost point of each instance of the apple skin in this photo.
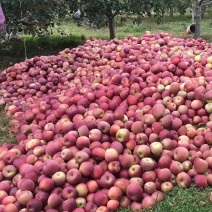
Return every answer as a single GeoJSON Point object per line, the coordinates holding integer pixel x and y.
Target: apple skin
{"type": "Point", "coordinates": [134, 192]}
{"type": "Point", "coordinates": [107, 180]}
{"type": "Point", "coordinates": [142, 150]}
{"type": "Point", "coordinates": [158, 110]}
{"type": "Point", "coordinates": [192, 155]}
{"type": "Point", "coordinates": [200, 181]}
{"type": "Point", "coordinates": [126, 160]}
{"type": "Point", "coordinates": [209, 160]}
{"type": "Point", "coordinates": [135, 206]}
{"type": "Point", "coordinates": [86, 168]}
{"type": "Point", "coordinates": [3, 194]}
{"type": "Point", "coordinates": [69, 204]}
{"type": "Point", "coordinates": [102, 209]}
{"type": "Point", "coordinates": [164, 174]}
{"type": "Point", "coordinates": [166, 187]}
{"type": "Point", "coordinates": [82, 189]}
{"type": "Point", "coordinates": [82, 142]}
{"type": "Point", "coordinates": [187, 165]}
{"type": "Point", "coordinates": [183, 180]}
{"type": "Point", "coordinates": [31, 144]}
{"type": "Point", "coordinates": [26, 184]}
{"type": "Point", "coordinates": [115, 193]}
{"type": "Point", "coordinates": [95, 135]}
{"type": "Point", "coordinates": [69, 192]}
{"type": "Point", "coordinates": [113, 205]}
{"type": "Point", "coordinates": [169, 144]}
{"type": "Point", "coordinates": [122, 183]}
{"type": "Point", "coordinates": [46, 184]}
{"type": "Point", "coordinates": [8, 158]}
{"type": "Point", "coordinates": [90, 207]}
{"type": "Point", "coordinates": [147, 164]}
{"type": "Point", "coordinates": [135, 171]}
{"type": "Point", "coordinates": [156, 148]}
{"type": "Point", "coordinates": [125, 202]}
{"type": "Point", "coordinates": [158, 196]}
{"type": "Point", "coordinates": [176, 167]}
{"type": "Point", "coordinates": [8, 199]}
{"type": "Point", "coordinates": [122, 135]}
{"type": "Point", "coordinates": [54, 201]}
{"type": "Point", "coordinates": [149, 187]}
{"type": "Point", "coordinates": [73, 176]}
{"type": "Point", "coordinates": [180, 154]}
{"type": "Point", "coordinates": [59, 178]}
{"type": "Point", "coordinates": [66, 154]}
{"type": "Point", "coordinates": [23, 197]}
{"type": "Point", "coordinates": [9, 171]}
{"type": "Point", "coordinates": [50, 167]}
{"type": "Point", "coordinates": [98, 153]}
{"type": "Point", "coordinates": [92, 186]}
{"type": "Point", "coordinates": [164, 161]}
{"type": "Point", "coordinates": [137, 127]}
{"type": "Point", "coordinates": [100, 198]}
{"type": "Point", "coordinates": [114, 167]}
{"type": "Point", "coordinates": [111, 155]}
{"type": "Point", "coordinates": [34, 205]}
{"type": "Point", "coordinates": [10, 207]}
{"type": "Point", "coordinates": [98, 171]}
{"type": "Point", "coordinates": [149, 176]}
{"type": "Point", "coordinates": [148, 202]}
{"type": "Point", "coordinates": [81, 156]}
{"type": "Point", "coordinates": [200, 165]}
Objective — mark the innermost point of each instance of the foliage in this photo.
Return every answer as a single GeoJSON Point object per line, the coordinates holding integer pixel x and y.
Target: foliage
{"type": "Point", "coordinates": [34, 16]}
{"type": "Point", "coordinates": [101, 13]}
{"type": "Point", "coordinates": [159, 7]}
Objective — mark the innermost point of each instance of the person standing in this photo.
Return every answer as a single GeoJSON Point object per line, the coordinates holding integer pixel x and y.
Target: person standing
{"type": "Point", "coordinates": [2, 26]}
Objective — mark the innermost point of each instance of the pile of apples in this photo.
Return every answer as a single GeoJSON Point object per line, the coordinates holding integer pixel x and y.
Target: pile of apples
{"type": "Point", "coordinates": [107, 125]}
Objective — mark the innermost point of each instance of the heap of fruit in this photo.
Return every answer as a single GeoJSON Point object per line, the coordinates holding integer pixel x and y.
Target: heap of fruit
{"type": "Point", "coordinates": [107, 125]}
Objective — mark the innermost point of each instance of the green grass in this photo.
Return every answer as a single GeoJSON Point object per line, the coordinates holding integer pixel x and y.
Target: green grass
{"type": "Point", "coordinates": [183, 200]}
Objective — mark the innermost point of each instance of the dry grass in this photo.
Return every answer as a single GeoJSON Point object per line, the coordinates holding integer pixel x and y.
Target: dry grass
{"type": "Point", "coordinates": [6, 136]}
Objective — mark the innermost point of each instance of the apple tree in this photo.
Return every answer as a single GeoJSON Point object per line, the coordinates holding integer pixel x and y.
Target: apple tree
{"type": "Point", "coordinates": [161, 7]}
{"type": "Point", "coordinates": [34, 16]}
{"type": "Point", "coordinates": [197, 8]}
{"type": "Point", "coordinates": [102, 13]}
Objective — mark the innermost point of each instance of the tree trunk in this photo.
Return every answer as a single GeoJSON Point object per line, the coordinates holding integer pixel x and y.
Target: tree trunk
{"type": "Point", "coordinates": [198, 20]}
{"type": "Point", "coordinates": [203, 12]}
{"type": "Point", "coordinates": [171, 10]}
{"type": "Point", "coordinates": [112, 28]}
{"type": "Point", "coordinates": [193, 11]}
{"type": "Point", "coordinates": [163, 16]}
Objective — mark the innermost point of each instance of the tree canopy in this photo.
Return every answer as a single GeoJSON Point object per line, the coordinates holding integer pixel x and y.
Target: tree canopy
{"type": "Point", "coordinates": [33, 16]}
{"type": "Point", "coordinates": [36, 17]}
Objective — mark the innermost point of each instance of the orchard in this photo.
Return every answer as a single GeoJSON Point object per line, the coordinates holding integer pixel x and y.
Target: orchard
{"type": "Point", "coordinates": [107, 125]}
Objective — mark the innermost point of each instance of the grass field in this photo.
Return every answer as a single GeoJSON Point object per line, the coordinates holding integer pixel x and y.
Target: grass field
{"type": "Point", "coordinates": [179, 200]}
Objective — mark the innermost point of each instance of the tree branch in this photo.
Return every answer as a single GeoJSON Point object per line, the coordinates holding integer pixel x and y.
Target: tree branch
{"type": "Point", "coordinates": [115, 13]}
{"type": "Point", "coordinates": [200, 2]}
{"type": "Point", "coordinates": [204, 2]}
